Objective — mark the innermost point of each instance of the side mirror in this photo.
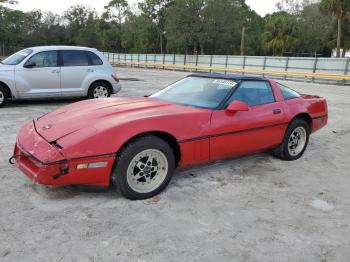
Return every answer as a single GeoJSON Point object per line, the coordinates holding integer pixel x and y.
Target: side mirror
{"type": "Point", "coordinates": [237, 106]}
{"type": "Point", "coordinates": [30, 65]}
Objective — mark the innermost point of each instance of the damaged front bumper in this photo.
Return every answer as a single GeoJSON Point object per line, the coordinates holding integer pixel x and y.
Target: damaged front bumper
{"type": "Point", "coordinates": [45, 164]}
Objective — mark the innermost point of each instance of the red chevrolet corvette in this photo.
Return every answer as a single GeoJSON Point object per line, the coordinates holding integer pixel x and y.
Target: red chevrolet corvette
{"type": "Point", "coordinates": [136, 143]}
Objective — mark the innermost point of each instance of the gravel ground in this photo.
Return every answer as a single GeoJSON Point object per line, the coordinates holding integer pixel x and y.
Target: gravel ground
{"type": "Point", "coordinates": [255, 208]}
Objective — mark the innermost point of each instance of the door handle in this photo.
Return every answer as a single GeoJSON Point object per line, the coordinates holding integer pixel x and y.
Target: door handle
{"type": "Point", "coordinates": [277, 111]}
{"type": "Point", "coordinates": [55, 71]}
{"type": "Point", "coordinates": [90, 70]}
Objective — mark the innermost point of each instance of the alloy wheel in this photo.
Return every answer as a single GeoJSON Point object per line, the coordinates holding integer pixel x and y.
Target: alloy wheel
{"type": "Point", "coordinates": [147, 171]}
{"type": "Point", "coordinates": [297, 141]}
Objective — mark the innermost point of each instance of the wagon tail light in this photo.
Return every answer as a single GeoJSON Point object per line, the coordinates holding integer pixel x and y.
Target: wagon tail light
{"type": "Point", "coordinates": [116, 78]}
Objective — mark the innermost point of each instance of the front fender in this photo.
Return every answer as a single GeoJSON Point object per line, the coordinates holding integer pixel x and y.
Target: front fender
{"type": "Point", "coordinates": [109, 139]}
{"type": "Point", "coordinates": [8, 78]}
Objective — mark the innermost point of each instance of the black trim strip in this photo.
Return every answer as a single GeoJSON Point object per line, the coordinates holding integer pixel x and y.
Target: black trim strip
{"type": "Point", "coordinates": [64, 161]}
{"type": "Point", "coordinates": [318, 117]}
{"type": "Point", "coordinates": [230, 133]}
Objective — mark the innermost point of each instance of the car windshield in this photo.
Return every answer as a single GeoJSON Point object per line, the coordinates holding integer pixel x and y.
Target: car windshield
{"type": "Point", "coordinates": [17, 58]}
{"type": "Point", "coordinates": [201, 92]}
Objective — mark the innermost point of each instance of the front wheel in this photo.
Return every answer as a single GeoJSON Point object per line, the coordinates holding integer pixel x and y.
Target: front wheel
{"type": "Point", "coordinates": [99, 90]}
{"type": "Point", "coordinates": [144, 168]}
{"type": "Point", "coordinates": [295, 141]}
{"type": "Point", "coordinates": [4, 96]}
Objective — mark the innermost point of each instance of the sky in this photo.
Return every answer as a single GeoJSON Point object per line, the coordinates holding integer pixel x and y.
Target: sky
{"type": "Point", "coordinates": [262, 7]}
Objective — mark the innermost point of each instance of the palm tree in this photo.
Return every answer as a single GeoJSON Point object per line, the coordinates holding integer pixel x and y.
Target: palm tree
{"type": "Point", "coordinates": [340, 9]}
{"type": "Point", "coordinates": [279, 34]}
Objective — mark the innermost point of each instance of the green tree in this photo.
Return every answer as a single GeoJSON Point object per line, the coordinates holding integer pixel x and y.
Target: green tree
{"type": "Point", "coordinates": [339, 9]}
{"type": "Point", "coordinates": [155, 10]}
{"type": "Point", "coordinates": [117, 10]}
{"type": "Point", "coordinates": [280, 33]}
{"type": "Point", "coordinates": [185, 26]}
{"type": "Point", "coordinates": [317, 27]}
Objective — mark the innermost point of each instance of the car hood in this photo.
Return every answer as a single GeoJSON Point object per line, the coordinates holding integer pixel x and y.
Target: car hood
{"type": "Point", "coordinates": [91, 116]}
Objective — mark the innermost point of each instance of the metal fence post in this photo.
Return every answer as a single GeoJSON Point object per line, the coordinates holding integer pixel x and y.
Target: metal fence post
{"type": "Point", "coordinates": [196, 62]}
{"type": "Point", "coordinates": [346, 71]}
{"type": "Point", "coordinates": [211, 62]}
{"type": "Point", "coordinates": [132, 56]}
{"type": "Point", "coordinates": [185, 57]}
{"type": "Point", "coordinates": [146, 60]}
{"type": "Point", "coordinates": [174, 59]}
{"type": "Point", "coordinates": [113, 58]}
{"type": "Point", "coordinates": [226, 62]}
{"type": "Point", "coordinates": [264, 66]}
{"type": "Point", "coordinates": [244, 58]}
{"type": "Point", "coordinates": [118, 57]}
{"type": "Point", "coordinates": [314, 68]}
{"type": "Point", "coordinates": [163, 61]}
{"type": "Point", "coordinates": [138, 60]}
{"type": "Point", "coordinates": [286, 68]}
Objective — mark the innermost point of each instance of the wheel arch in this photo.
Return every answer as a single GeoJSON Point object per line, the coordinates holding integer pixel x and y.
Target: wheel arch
{"type": "Point", "coordinates": [170, 139]}
{"type": "Point", "coordinates": [4, 85]}
{"type": "Point", "coordinates": [103, 81]}
{"type": "Point", "coordinates": [304, 116]}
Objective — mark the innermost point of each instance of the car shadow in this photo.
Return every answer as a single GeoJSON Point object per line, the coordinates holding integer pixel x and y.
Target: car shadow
{"type": "Point", "coordinates": [246, 166]}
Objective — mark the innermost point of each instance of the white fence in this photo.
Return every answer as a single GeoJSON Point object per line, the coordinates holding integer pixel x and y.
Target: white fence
{"type": "Point", "coordinates": [311, 69]}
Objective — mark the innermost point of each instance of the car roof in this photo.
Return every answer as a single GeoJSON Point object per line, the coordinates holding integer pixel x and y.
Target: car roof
{"type": "Point", "coordinates": [229, 77]}
{"type": "Point", "coordinates": [60, 47]}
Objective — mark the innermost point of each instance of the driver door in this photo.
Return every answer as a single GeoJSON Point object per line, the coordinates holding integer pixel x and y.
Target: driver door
{"type": "Point", "coordinates": [240, 133]}
{"type": "Point", "coordinates": [42, 78]}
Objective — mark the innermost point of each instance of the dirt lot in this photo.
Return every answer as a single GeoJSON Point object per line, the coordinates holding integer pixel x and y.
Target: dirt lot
{"type": "Point", "coordinates": [255, 208]}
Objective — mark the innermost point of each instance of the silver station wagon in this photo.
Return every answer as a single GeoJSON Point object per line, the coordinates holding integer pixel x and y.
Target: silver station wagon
{"type": "Point", "coordinates": [57, 72]}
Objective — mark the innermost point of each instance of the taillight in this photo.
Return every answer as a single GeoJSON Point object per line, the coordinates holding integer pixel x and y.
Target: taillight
{"type": "Point", "coordinates": [116, 78]}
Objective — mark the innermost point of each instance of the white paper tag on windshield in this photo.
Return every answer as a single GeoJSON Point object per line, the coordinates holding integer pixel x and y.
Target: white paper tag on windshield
{"type": "Point", "coordinates": [224, 82]}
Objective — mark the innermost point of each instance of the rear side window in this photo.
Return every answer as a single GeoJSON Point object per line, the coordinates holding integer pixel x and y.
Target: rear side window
{"type": "Point", "coordinates": [44, 59]}
{"type": "Point", "coordinates": [95, 60]}
{"type": "Point", "coordinates": [254, 93]}
{"type": "Point", "coordinates": [288, 93]}
{"type": "Point", "coordinates": [74, 58]}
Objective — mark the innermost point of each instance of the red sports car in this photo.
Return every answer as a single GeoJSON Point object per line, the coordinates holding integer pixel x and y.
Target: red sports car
{"type": "Point", "coordinates": [136, 143]}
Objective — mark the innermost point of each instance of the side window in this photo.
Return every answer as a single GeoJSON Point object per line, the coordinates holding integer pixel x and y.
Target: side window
{"type": "Point", "coordinates": [74, 58]}
{"type": "Point", "coordinates": [44, 59]}
{"type": "Point", "coordinates": [254, 93]}
{"type": "Point", "coordinates": [95, 60]}
{"type": "Point", "coordinates": [288, 93]}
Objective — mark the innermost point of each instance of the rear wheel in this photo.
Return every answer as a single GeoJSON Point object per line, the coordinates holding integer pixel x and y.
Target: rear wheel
{"type": "Point", "coordinates": [144, 168]}
{"type": "Point", "coordinates": [295, 141]}
{"type": "Point", "coordinates": [99, 90]}
{"type": "Point", "coordinates": [4, 96]}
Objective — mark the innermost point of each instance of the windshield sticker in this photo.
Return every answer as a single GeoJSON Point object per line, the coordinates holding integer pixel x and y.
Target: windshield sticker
{"type": "Point", "coordinates": [224, 82]}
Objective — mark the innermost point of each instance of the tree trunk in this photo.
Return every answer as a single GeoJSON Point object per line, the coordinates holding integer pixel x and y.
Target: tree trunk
{"type": "Point", "coordinates": [202, 48]}
{"type": "Point", "coordinates": [242, 40]}
{"type": "Point", "coordinates": [161, 41]}
{"type": "Point", "coordinates": [339, 36]}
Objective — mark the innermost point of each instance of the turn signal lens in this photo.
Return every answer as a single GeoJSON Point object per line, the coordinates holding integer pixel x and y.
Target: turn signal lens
{"type": "Point", "coordinates": [92, 165]}
{"type": "Point", "coordinates": [82, 166]}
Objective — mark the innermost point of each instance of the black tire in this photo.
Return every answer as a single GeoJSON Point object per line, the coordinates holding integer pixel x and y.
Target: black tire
{"type": "Point", "coordinates": [125, 158]}
{"type": "Point", "coordinates": [283, 151]}
{"type": "Point", "coordinates": [4, 96]}
{"type": "Point", "coordinates": [107, 90]}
